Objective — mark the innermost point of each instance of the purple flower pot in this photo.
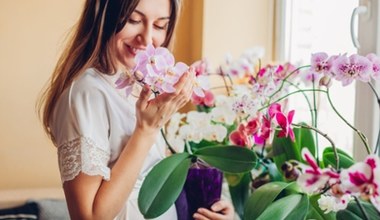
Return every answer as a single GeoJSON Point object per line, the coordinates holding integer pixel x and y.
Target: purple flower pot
{"type": "Point", "coordinates": [203, 187]}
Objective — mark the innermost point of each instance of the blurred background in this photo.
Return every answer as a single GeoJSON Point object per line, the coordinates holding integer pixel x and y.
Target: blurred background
{"type": "Point", "coordinates": [32, 35]}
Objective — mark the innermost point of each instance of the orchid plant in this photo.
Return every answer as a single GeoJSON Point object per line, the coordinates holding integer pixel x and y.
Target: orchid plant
{"type": "Point", "coordinates": [271, 163]}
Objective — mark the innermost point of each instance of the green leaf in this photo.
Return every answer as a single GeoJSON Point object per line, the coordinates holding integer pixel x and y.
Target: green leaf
{"type": "Point", "coordinates": [240, 193]}
{"type": "Point", "coordinates": [328, 157]}
{"type": "Point", "coordinates": [204, 143]}
{"type": "Point", "coordinates": [305, 138]}
{"type": "Point", "coordinates": [294, 206]}
{"type": "Point", "coordinates": [163, 185]}
{"type": "Point", "coordinates": [284, 149]}
{"type": "Point", "coordinates": [353, 212]}
{"type": "Point", "coordinates": [274, 173]}
{"type": "Point", "coordinates": [233, 179]}
{"type": "Point", "coordinates": [231, 159]}
{"type": "Point", "coordinates": [262, 197]}
{"type": "Point", "coordinates": [315, 212]}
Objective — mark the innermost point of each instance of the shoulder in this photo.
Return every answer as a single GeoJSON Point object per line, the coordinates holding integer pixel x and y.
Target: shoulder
{"type": "Point", "coordinates": [82, 109]}
{"type": "Point", "coordinates": [90, 83]}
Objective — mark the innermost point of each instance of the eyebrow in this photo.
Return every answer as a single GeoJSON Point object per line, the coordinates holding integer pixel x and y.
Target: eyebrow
{"type": "Point", "coordinates": [142, 14]}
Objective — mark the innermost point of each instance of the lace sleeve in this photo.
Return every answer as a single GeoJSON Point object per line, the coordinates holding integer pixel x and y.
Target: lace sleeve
{"type": "Point", "coordinates": [82, 155]}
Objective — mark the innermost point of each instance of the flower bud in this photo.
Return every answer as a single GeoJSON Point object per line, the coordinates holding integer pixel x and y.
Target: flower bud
{"type": "Point", "coordinates": [139, 76]}
{"type": "Point", "coordinates": [291, 170]}
{"type": "Point", "coordinates": [325, 81]}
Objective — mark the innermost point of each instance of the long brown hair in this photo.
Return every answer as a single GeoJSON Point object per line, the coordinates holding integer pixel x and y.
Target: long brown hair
{"type": "Point", "coordinates": [89, 46]}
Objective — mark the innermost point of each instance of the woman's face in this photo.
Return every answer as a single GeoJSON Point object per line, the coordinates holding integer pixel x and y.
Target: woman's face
{"type": "Point", "coordinates": [146, 25]}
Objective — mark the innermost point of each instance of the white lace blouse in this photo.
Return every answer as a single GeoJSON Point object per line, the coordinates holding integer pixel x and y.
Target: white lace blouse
{"type": "Point", "coordinates": [91, 124]}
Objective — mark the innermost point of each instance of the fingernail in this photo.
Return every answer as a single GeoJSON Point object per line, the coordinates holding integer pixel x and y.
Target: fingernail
{"type": "Point", "coordinates": [214, 207]}
{"type": "Point", "coordinates": [145, 88]}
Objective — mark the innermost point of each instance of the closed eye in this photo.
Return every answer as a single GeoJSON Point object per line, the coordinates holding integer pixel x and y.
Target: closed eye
{"type": "Point", "coordinates": [131, 21]}
{"type": "Point", "coordinates": [164, 27]}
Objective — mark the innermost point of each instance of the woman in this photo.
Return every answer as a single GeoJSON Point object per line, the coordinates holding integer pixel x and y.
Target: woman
{"type": "Point", "coordinates": [106, 141]}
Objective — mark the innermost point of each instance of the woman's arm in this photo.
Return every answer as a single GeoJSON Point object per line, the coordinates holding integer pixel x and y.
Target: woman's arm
{"type": "Point", "coordinates": [90, 197]}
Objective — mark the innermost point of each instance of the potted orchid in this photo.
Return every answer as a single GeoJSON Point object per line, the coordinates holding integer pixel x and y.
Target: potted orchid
{"type": "Point", "coordinates": [271, 163]}
{"type": "Point", "coordinates": [166, 181]}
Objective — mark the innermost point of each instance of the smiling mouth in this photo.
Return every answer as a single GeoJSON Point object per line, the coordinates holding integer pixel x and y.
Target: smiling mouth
{"type": "Point", "coordinates": [133, 50]}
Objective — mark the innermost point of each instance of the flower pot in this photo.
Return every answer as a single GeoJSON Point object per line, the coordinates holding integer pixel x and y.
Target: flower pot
{"type": "Point", "coordinates": [203, 187]}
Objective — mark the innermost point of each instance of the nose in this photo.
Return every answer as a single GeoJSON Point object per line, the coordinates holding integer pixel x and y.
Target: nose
{"type": "Point", "coordinates": [146, 36]}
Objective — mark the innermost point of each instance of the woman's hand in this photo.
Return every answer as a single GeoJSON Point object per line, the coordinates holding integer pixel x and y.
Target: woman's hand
{"type": "Point", "coordinates": [152, 114]}
{"type": "Point", "coordinates": [222, 210]}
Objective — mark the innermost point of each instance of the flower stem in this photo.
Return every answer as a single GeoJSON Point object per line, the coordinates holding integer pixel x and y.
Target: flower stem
{"type": "Point", "coordinates": [188, 147]}
{"type": "Point", "coordinates": [167, 143]}
{"type": "Point", "coordinates": [219, 87]}
{"type": "Point", "coordinates": [365, 215]}
{"type": "Point", "coordinates": [360, 134]}
{"type": "Point", "coordinates": [226, 85]}
{"type": "Point", "coordinates": [289, 94]}
{"type": "Point", "coordinates": [378, 103]}
{"type": "Point", "coordinates": [171, 149]}
{"type": "Point", "coordinates": [285, 79]}
{"type": "Point", "coordinates": [307, 99]}
{"type": "Point", "coordinates": [325, 136]}
{"type": "Point", "coordinates": [315, 121]}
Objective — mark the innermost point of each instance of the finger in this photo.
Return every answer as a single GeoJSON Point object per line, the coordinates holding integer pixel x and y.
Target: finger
{"type": "Point", "coordinates": [184, 95]}
{"type": "Point", "coordinates": [198, 216]}
{"type": "Point", "coordinates": [182, 81]}
{"type": "Point", "coordinates": [209, 214]}
{"type": "Point", "coordinates": [222, 206]}
{"type": "Point", "coordinates": [145, 93]}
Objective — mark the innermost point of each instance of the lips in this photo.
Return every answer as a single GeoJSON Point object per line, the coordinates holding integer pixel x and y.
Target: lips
{"type": "Point", "coordinates": [133, 50]}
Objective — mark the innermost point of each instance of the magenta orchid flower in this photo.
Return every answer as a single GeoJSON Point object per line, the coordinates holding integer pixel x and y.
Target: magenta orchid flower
{"type": "Point", "coordinates": [264, 132]}
{"type": "Point", "coordinates": [313, 179]}
{"type": "Point", "coordinates": [285, 122]}
{"type": "Point", "coordinates": [347, 69]}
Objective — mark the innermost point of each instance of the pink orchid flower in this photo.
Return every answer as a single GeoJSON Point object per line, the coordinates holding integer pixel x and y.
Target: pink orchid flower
{"type": "Point", "coordinates": [164, 81]}
{"type": "Point", "coordinates": [201, 67]}
{"type": "Point", "coordinates": [313, 178]}
{"type": "Point", "coordinates": [208, 99]}
{"type": "Point", "coordinates": [239, 137]}
{"type": "Point", "coordinates": [201, 84]}
{"type": "Point", "coordinates": [347, 69]}
{"type": "Point", "coordinates": [320, 63]}
{"type": "Point", "coordinates": [160, 58]}
{"type": "Point", "coordinates": [375, 65]}
{"type": "Point", "coordinates": [126, 80]}
{"type": "Point", "coordinates": [274, 109]}
{"type": "Point", "coordinates": [253, 125]}
{"type": "Point", "coordinates": [363, 179]}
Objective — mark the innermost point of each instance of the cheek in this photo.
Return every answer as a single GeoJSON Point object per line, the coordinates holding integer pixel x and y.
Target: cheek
{"type": "Point", "coordinates": [159, 38]}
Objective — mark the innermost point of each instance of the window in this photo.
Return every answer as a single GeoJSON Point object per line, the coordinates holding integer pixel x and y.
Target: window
{"type": "Point", "coordinates": [312, 26]}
